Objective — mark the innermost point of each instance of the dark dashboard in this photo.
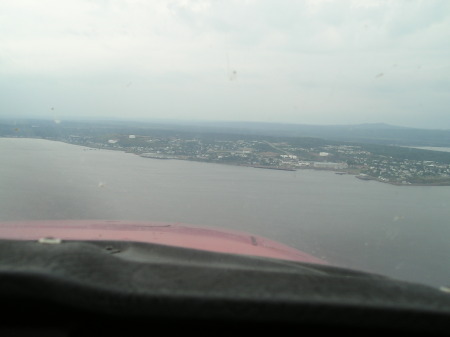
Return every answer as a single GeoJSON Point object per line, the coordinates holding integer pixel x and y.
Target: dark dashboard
{"type": "Point", "coordinates": [85, 288]}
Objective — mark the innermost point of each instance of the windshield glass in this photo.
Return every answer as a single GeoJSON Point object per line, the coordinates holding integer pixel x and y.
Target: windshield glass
{"type": "Point", "coordinates": [322, 125]}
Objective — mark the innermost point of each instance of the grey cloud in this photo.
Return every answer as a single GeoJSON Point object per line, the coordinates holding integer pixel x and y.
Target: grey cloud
{"type": "Point", "coordinates": [322, 57]}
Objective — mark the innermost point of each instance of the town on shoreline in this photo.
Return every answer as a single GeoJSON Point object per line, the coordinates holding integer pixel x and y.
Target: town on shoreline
{"type": "Point", "coordinates": [342, 158]}
{"type": "Point", "coordinates": [388, 164]}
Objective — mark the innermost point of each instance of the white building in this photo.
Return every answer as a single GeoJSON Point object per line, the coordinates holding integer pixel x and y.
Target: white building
{"type": "Point", "coordinates": [330, 166]}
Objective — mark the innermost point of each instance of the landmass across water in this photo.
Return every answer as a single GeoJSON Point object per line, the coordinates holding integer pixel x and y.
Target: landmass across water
{"type": "Point", "coordinates": [398, 165]}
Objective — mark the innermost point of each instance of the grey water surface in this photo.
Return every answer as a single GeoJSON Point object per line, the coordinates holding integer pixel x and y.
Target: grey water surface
{"type": "Point", "coordinates": [399, 231]}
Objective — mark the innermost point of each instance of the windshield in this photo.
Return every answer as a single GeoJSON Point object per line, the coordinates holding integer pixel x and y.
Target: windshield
{"type": "Point", "coordinates": [322, 125]}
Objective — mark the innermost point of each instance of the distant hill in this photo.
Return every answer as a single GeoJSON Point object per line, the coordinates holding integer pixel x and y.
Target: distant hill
{"type": "Point", "coordinates": [378, 133]}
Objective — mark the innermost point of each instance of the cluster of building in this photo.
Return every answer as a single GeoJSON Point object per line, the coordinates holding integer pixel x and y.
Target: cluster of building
{"type": "Point", "coordinates": [281, 155]}
{"type": "Point", "coordinates": [406, 171]}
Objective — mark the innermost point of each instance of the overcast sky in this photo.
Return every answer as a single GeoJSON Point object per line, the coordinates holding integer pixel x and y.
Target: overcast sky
{"type": "Point", "coordinates": [308, 62]}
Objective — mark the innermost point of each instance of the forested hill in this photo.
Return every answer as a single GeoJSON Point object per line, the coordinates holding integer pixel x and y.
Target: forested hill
{"type": "Point", "coordinates": [365, 133]}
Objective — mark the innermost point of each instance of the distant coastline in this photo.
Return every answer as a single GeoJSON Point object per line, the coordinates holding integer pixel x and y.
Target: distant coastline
{"type": "Point", "coordinates": [401, 165]}
{"type": "Point", "coordinates": [348, 171]}
{"type": "Point", "coordinates": [366, 177]}
{"type": "Point", "coordinates": [336, 171]}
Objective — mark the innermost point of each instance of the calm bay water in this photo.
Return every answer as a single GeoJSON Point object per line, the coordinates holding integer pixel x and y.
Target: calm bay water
{"type": "Point", "coordinates": [400, 231]}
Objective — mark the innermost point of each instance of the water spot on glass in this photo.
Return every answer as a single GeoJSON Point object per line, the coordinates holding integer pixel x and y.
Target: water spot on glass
{"type": "Point", "coordinates": [392, 233]}
{"type": "Point", "coordinates": [379, 75]}
{"type": "Point", "coordinates": [233, 75]}
{"type": "Point", "coordinates": [399, 266]}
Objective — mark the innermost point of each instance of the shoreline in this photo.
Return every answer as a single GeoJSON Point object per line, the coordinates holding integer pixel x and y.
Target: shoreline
{"type": "Point", "coordinates": [337, 172]}
{"type": "Point", "coordinates": [368, 178]}
{"type": "Point", "coordinates": [354, 172]}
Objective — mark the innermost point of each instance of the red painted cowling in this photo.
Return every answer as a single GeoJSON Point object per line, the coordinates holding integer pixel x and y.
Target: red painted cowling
{"type": "Point", "coordinates": [172, 234]}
